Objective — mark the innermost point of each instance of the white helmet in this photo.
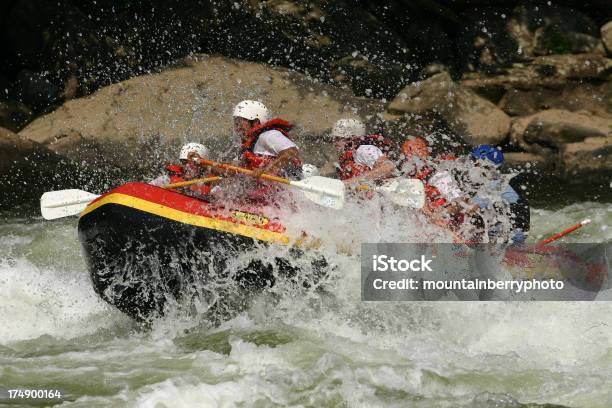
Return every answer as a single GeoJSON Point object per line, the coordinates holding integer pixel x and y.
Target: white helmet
{"type": "Point", "coordinates": [309, 170]}
{"type": "Point", "coordinates": [198, 148]}
{"type": "Point", "coordinates": [346, 128]}
{"type": "Point", "coordinates": [252, 110]}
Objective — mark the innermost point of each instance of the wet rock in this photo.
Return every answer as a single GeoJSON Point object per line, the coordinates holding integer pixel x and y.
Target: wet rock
{"type": "Point", "coordinates": [474, 118]}
{"type": "Point", "coordinates": [35, 90]}
{"type": "Point", "coordinates": [544, 30]}
{"type": "Point", "coordinates": [14, 149]}
{"type": "Point", "coordinates": [606, 36]}
{"type": "Point", "coordinates": [433, 93]}
{"type": "Point", "coordinates": [549, 130]}
{"type": "Point", "coordinates": [14, 115]}
{"type": "Point", "coordinates": [545, 71]}
{"type": "Point", "coordinates": [483, 41]}
{"type": "Point", "coordinates": [5, 86]}
{"type": "Point", "coordinates": [526, 161]}
{"type": "Point", "coordinates": [27, 169]}
{"type": "Point", "coordinates": [137, 124]}
{"type": "Point", "coordinates": [593, 155]}
{"type": "Point", "coordinates": [477, 120]}
{"type": "Point", "coordinates": [573, 96]}
{"type": "Point", "coordinates": [64, 38]}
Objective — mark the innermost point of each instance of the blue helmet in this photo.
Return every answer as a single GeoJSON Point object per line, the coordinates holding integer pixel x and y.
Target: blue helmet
{"type": "Point", "coordinates": [490, 153]}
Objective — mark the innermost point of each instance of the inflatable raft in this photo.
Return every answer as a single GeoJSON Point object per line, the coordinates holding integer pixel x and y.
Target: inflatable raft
{"type": "Point", "coordinates": [146, 246]}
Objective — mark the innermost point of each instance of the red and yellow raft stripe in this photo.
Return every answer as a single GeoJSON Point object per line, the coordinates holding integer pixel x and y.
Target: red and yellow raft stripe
{"type": "Point", "coordinates": [188, 218]}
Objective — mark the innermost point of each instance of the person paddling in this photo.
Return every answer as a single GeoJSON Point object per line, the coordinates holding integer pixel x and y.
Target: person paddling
{"type": "Point", "coordinates": [187, 170]}
{"type": "Point", "coordinates": [505, 211]}
{"type": "Point", "coordinates": [362, 157]}
{"type": "Point", "coordinates": [266, 147]}
{"type": "Point", "coordinates": [445, 202]}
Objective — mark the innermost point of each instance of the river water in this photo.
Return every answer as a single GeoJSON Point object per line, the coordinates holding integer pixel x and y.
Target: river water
{"type": "Point", "coordinates": [309, 350]}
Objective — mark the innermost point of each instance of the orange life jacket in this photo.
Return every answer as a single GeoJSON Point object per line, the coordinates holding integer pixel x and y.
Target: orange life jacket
{"type": "Point", "coordinates": [253, 161]}
{"type": "Point", "coordinates": [177, 174]}
{"type": "Point", "coordinates": [347, 168]}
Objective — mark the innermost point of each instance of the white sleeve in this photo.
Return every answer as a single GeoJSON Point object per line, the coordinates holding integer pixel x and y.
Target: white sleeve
{"type": "Point", "coordinates": [367, 155]}
{"type": "Point", "coordinates": [271, 143]}
{"type": "Point", "coordinates": [446, 184]}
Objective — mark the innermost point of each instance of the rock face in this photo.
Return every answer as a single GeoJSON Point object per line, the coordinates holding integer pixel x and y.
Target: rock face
{"type": "Point", "coordinates": [556, 127]}
{"type": "Point", "coordinates": [574, 96]}
{"type": "Point", "coordinates": [133, 124]}
{"type": "Point", "coordinates": [606, 36]}
{"type": "Point", "coordinates": [476, 119]}
{"type": "Point", "coordinates": [572, 143]}
{"type": "Point", "coordinates": [592, 155]}
{"type": "Point", "coordinates": [508, 61]}
{"type": "Point", "coordinates": [14, 115]}
{"type": "Point", "coordinates": [492, 39]}
{"type": "Point", "coordinates": [548, 71]}
{"type": "Point", "coordinates": [27, 169]}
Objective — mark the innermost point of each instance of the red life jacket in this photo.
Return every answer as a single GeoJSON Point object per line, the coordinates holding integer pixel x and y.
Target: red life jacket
{"type": "Point", "coordinates": [177, 174]}
{"type": "Point", "coordinates": [433, 197]}
{"type": "Point", "coordinates": [253, 161]}
{"type": "Point", "coordinates": [347, 167]}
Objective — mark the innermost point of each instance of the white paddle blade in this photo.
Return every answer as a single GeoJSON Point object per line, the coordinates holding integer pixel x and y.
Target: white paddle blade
{"type": "Point", "coordinates": [405, 192]}
{"type": "Point", "coordinates": [324, 191]}
{"type": "Point", "coordinates": [64, 203]}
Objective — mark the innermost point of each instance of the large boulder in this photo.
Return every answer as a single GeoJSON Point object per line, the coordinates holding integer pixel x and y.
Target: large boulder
{"type": "Point", "coordinates": [27, 169]}
{"type": "Point", "coordinates": [14, 115]}
{"type": "Point", "coordinates": [134, 124]}
{"type": "Point", "coordinates": [574, 96]}
{"type": "Point", "coordinates": [539, 29]}
{"type": "Point", "coordinates": [549, 71]}
{"type": "Point", "coordinates": [492, 38]}
{"type": "Point", "coordinates": [553, 128]}
{"type": "Point", "coordinates": [569, 143]}
{"type": "Point", "coordinates": [593, 155]}
{"type": "Point", "coordinates": [35, 90]}
{"type": "Point", "coordinates": [474, 118]}
{"type": "Point", "coordinates": [606, 36]}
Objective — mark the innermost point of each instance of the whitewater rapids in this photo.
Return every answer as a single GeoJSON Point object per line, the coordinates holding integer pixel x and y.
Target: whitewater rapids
{"type": "Point", "coordinates": [305, 349]}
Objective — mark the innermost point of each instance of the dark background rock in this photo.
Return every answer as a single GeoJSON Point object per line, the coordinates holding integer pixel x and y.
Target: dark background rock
{"type": "Point", "coordinates": [28, 169]}
{"type": "Point", "coordinates": [606, 36]}
{"type": "Point", "coordinates": [14, 115]}
{"type": "Point", "coordinates": [517, 58]}
{"type": "Point", "coordinates": [373, 47]}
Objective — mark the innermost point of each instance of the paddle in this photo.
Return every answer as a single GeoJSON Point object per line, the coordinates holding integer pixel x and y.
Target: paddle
{"type": "Point", "coordinates": [401, 191]}
{"type": "Point", "coordinates": [65, 203]}
{"type": "Point", "coordinates": [404, 192]}
{"type": "Point", "coordinates": [564, 232]}
{"type": "Point", "coordinates": [517, 256]}
{"type": "Point", "coordinates": [324, 191]}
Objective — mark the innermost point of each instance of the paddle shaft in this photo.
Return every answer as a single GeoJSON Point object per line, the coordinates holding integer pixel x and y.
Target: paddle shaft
{"type": "Point", "coordinates": [564, 232]}
{"type": "Point", "coordinates": [190, 182]}
{"type": "Point", "coordinates": [222, 166]}
{"type": "Point", "coordinates": [71, 202]}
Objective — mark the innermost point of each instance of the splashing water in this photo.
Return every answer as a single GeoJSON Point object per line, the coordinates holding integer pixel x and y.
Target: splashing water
{"type": "Point", "coordinates": [308, 347]}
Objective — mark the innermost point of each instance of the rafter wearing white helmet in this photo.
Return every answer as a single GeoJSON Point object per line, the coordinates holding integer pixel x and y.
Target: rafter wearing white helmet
{"type": "Point", "coordinates": [251, 110]}
{"type": "Point", "coordinates": [360, 157]}
{"type": "Point", "coordinates": [197, 148]}
{"type": "Point", "coordinates": [347, 128]}
{"type": "Point", "coordinates": [187, 170]}
{"type": "Point", "coordinates": [264, 140]}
